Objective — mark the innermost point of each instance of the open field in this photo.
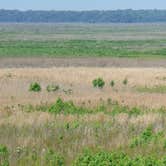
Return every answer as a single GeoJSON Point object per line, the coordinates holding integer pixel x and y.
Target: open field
{"type": "Point", "coordinates": [85, 40]}
{"type": "Point", "coordinates": [105, 62]}
{"type": "Point", "coordinates": [15, 85]}
{"type": "Point", "coordinates": [52, 115]}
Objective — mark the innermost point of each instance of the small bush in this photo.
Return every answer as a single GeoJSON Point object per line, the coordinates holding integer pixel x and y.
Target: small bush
{"type": "Point", "coordinates": [52, 88]}
{"type": "Point", "coordinates": [125, 81]}
{"type": "Point", "coordinates": [98, 83]}
{"type": "Point", "coordinates": [112, 83]}
{"type": "Point", "coordinates": [66, 107]}
{"type": "Point", "coordinates": [134, 111]}
{"type": "Point", "coordinates": [35, 87]}
{"type": "Point", "coordinates": [4, 156]}
{"type": "Point", "coordinates": [53, 159]}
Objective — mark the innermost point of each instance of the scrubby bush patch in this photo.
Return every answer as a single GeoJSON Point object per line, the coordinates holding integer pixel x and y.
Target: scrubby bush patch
{"type": "Point", "coordinates": [146, 137]}
{"type": "Point", "coordinates": [35, 87]}
{"type": "Point", "coordinates": [68, 107]}
{"type": "Point", "coordinates": [104, 158]}
{"type": "Point", "coordinates": [125, 81]}
{"type": "Point", "coordinates": [52, 88]}
{"type": "Point", "coordinates": [98, 83]}
{"type": "Point", "coordinates": [112, 83]}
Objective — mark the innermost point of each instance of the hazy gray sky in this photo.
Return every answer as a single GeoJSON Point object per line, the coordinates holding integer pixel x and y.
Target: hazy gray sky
{"type": "Point", "coordinates": [82, 4]}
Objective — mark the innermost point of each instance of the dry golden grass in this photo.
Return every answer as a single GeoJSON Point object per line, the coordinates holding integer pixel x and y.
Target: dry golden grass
{"type": "Point", "coordinates": [14, 84]}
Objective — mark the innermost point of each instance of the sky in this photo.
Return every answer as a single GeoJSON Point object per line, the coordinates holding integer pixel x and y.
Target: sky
{"type": "Point", "coordinates": [82, 4]}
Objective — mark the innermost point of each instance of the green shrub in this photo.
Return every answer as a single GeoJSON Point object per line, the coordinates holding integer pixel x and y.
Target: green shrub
{"type": "Point", "coordinates": [52, 88]}
{"type": "Point", "coordinates": [35, 87]}
{"type": "Point", "coordinates": [125, 81]}
{"type": "Point", "coordinates": [4, 156]}
{"type": "Point", "coordinates": [53, 159]}
{"type": "Point", "coordinates": [67, 108]}
{"type": "Point", "coordinates": [98, 83]}
{"type": "Point", "coordinates": [103, 158]}
{"type": "Point", "coordinates": [134, 111]}
{"type": "Point", "coordinates": [112, 83]}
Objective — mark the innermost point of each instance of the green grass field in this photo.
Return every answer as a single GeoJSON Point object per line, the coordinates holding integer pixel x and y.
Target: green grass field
{"type": "Point", "coordinates": [83, 40]}
{"type": "Point", "coordinates": [83, 48]}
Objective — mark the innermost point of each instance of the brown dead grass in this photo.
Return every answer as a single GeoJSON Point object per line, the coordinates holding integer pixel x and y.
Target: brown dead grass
{"type": "Point", "coordinates": [14, 84]}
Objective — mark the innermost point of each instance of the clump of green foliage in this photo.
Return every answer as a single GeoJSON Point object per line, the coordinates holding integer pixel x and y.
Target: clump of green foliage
{"type": "Point", "coordinates": [146, 137]}
{"type": "Point", "coordinates": [4, 156]}
{"type": "Point", "coordinates": [125, 81]}
{"type": "Point", "coordinates": [112, 83]}
{"type": "Point", "coordinates": [52, 88]}
{"type": "Point", "coordinates": [103, 158]}
{"type": "Point", "coordinates": [67, 108]}
{"type": "Point", "coordinates": [53, 159]}
{"type": "Point", "coordinates": [35, 87]}
{"type": "Point", "coordinates": [98, 83]}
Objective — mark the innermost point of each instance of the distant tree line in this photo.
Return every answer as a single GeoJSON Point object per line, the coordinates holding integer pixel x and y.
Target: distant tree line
{"type": "Point", "coordinates": [116, 16]}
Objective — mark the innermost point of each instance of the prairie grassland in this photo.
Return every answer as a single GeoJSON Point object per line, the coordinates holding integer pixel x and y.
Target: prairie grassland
{"type": "Point", "coordinates": [85, 40]}
{"type": "Point", "coordinates": [14, 85]}
{"type": "Point", "coordinates": [29, 134]}
{"type": "Point", "coordinates": [38, 131]}
{"type": "Point", "coordinates": [115, 32]}
{"type": "Point", "coordinates": [69, 117]}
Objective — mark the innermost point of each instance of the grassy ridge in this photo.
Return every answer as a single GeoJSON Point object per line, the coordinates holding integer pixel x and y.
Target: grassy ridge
{"type": "Point", "coordinates": [77, 48]}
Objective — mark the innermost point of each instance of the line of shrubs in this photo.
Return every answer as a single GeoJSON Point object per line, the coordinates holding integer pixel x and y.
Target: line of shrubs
{"type": "Point", "coordinates": [100, 83]}
{"type": "Point", "coordinates": [36, 87]}
{"type": "Point", "coordinates": [97, 83]}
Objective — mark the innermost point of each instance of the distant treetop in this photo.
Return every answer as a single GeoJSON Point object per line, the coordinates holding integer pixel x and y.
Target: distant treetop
{"type": "Point", "coordinates": [114, 16]}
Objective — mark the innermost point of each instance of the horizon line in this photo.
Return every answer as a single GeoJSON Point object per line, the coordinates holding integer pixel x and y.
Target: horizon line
{"type": "Point", "coordinates": [86, 10]}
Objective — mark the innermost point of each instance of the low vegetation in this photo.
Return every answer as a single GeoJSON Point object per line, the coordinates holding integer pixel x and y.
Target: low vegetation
{"type": "Point", "coordinates": [125, 81]}
{"type": "Point", "coordinates": [35, 87]}
{"type": "Point", "coordinates": [4, 156]}
{"type": "Point", "coordinates": [154, 89]}
{"type": "Point", "coordinates": [64, 133]}
{"type": "Point", "coordinates": [116, 159]}
{"type": "Point", "coordinates": [81, 132]}
{"type": "Point", "coordinates": [98, 83]}
{"type": "Point", "coordinates": [112, 83]}
{"type": "Point", "coordinates": [52, 88]}
{"type": "Point", "coordinates": [85, 48]}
